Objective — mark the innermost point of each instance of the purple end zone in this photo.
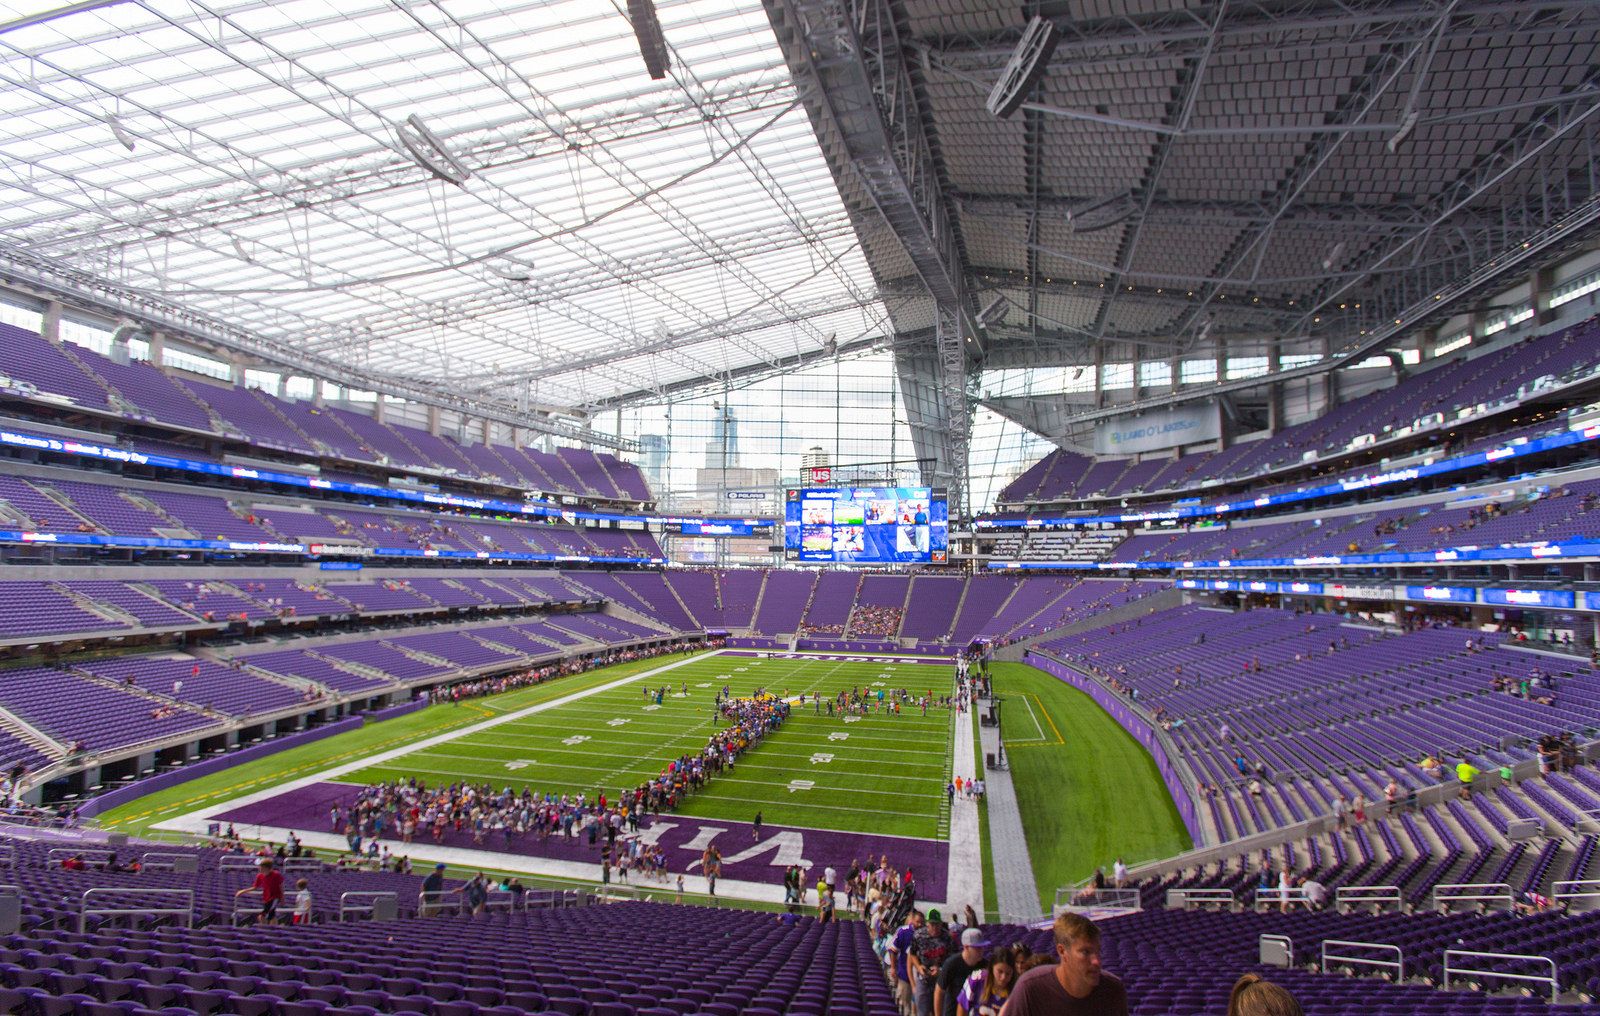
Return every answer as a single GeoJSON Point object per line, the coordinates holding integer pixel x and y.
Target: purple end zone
{"type": "Point", "coordinates": [827, 658]}
{"type": "Point", "coordinates": [306, 808]}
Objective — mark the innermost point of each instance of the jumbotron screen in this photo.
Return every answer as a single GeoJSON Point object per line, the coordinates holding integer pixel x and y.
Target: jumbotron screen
{"type": "Point", "coordinates": [867, 525]}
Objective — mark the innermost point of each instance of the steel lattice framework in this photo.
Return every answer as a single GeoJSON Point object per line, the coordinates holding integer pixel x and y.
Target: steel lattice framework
{"type": "Point", "coordinates": [814, 178]}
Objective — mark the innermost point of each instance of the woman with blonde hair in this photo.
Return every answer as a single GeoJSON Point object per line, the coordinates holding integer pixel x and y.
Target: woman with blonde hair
{"type": "Point", "coordinates": [1252, 996]}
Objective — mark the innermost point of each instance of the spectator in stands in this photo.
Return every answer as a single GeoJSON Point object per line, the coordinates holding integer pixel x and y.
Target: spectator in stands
{"type": "Point", "coordinates": [269, 883]}
{"type": "Point", "coordinates": [899, 950]}
{"type": "Point", "coordinates": [957, 968]}
{"type": "Point", "coordinates": [1119, 872]}
{"type": "Point", "coordinates": [929, 949]}
{"type": "Point", "coordinates": [302, 902]}
{"type": "Point", "coordinates": [986, 992]}
{"type": "Point", "coordinates": [432, 892]}
{"type": "Point", "coordinates": [1316, 892]}
{"type": "Point", "coordinates": [1466, 772]}
{"type": "Point", "coordinates": [1252, 996]}
{"type": "Point", "coordinates": [1074, 983]}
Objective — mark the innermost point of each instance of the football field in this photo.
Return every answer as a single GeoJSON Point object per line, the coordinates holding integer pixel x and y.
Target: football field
{"type": "Point", "coordinates": [830, 789]}
{"type": "Point", "coordinates": [880, 773]}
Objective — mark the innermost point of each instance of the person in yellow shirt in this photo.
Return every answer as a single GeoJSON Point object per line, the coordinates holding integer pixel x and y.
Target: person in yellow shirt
{"type": "Point", "coordinates": [1466, 772]}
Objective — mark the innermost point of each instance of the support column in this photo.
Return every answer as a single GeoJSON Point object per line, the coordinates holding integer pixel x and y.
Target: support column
{"type": "Point", "coordinates": [488, 433]}
{"type": "Point", "coordinates": [377, 407]}
{"type": "Point", "coordinates": [1539, 286]}
{"type": "Point", "coordinates": [158, 348]}
{"type": "Point", "coordinates": [433, 420]}
{"type": "Point", "coordinates": [316, 392]}
{"type": "Point", "coordinates": [236, 371]}
{"type": "Point", "coordinates": [1274, 390]}
{"type": "Point", "coordinates": [50, 327]}
{"type": "Point", "coordinates": [1427, 342]}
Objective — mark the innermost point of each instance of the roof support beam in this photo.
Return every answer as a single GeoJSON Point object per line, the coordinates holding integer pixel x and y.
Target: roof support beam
{"type": "Point", "coordinates": [847, 58]}
{"type": "Point", "coordinates": [81, 289]}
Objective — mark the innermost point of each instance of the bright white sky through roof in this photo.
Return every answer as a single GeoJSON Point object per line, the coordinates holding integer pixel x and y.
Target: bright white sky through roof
{"type": "Point", "coordinates": [616, 234]}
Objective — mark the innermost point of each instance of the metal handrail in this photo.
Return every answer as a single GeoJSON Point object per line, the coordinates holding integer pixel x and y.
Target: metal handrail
{"type": "Point", "coordinates": [1294, 894]}
{"type": "Point", "coordinates": [1521, 957]}
{"type": "Point", "coordinates": [1355, 895]}
{"type": "Point", "coordinates": [1460, 892]}
{"type": "Point", "coordinates": [349, 902]}
{"type": "Point", "coordinates": [231, 861]}
{"type": "Point", "coordinates": [90, 896]}
{"type": "Point", "coordinates": [90, 855]}
{"type": "Point", "coordinates": [1202, 895]}
{"type": "Point", "coordinates": [162, 859]}
{"type": "Point", "coordinates": [1398, 964]}
{"type": "Point", "coordinates": [1576, 889]}
{"type": "Point", "coordinates": [302, 864]}
{"type": "Point", "coordinates": [500, 899]}
{"type": "Point", "coordinates": [1124, 899]}
{"type": "Point", "coordinates": [435, 903]}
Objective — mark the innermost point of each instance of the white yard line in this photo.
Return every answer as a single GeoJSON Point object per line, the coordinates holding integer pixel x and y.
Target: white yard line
{"type": "Point", "coordinates": [1036, 724]}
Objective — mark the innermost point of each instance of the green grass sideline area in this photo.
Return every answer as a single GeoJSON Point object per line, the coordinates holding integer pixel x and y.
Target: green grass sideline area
{"type": "Point", "coordinates": [1088, 791]}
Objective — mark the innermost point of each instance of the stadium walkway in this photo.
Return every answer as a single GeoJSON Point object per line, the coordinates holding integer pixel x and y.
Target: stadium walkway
{"type": "Point", "coordinates": [1016, 892]}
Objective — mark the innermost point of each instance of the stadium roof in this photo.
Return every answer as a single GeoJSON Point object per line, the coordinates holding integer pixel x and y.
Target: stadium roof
{"type": "Point", "coordinates": [587, 233]}
{"type": "Point", "coordinates": [1235, 167]}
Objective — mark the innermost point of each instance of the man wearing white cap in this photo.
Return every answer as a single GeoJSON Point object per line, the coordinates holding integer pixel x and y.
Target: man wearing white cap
{"type": "Point", "coordinates": [956, 970]}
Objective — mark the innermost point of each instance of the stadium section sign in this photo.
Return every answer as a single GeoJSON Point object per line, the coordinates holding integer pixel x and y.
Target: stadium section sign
{"type": "Point", "coordinates": [1162, 428]}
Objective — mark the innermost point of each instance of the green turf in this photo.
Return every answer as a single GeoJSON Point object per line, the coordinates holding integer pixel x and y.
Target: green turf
{"type": "Point", "coordinates": [136, 817]}
{"type": "Point", "coordinates": [1088, 791]}
{"type": "Point", "coordinates": [874, 774]}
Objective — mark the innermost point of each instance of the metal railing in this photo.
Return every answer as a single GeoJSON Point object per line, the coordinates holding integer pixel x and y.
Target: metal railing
{"type": "Point", "coordinates": [1588, 821]}
{"type": "Point", "coordinates": [1281, 898]}
{"type": "Point", "coordinates": [1275, 950]}
{"type": "Point", "coordinates": [1576, 889]}
{"type": "Point", "coordinates": [1360, 895]}
{"type": "Point", "coordinates": [361, 902]}
{"type": "Point", "coordinates": [91, 857]}
{"type": "Point", "coordinates": [307, 864]}
{"type": "Point", "coordinates": [434, 904]}
{"type": "Point", "coordinates": [162, 860]}
{"type": "Point", "coordinates": [503, 900]}
{"type": "Point", "coordinates": [90, 905]}
{"type": "Point", "coordinates": [1473, 892]}
{"type": "Point", "coordinates": [1453, 956]}
{"type": "Point", "coordinates": [558, 897]}
{"type": "Point", "coordinates": [1121, 899]}
{"type": "Point", "coordinates": [1329, 956]}
{"type": "Point", "coordinates": [1183, 899]}
{"type": "Point", "coordinates": [239, 862]}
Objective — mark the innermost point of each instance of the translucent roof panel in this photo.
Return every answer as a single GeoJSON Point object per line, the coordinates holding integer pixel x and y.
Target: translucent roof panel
{"type": "Point", "coordinates": [613, 233]}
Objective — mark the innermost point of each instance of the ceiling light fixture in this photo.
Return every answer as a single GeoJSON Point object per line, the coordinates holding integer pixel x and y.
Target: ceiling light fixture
{"type": "Point", "coordinates": [1027, 65]}
{"type": "Point", "coordinates": [120, 132]}
{"type": "Point", "coordinates": [993, 311]}
{"type": "Point", "coordinates": [1407, 125]}
{"type": "Point", "coordinates": [429, 151]}
{"type": "Point", "coordinates": [652, 44]}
